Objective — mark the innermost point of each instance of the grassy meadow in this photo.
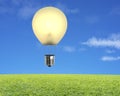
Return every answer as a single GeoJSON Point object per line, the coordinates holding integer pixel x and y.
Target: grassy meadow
{"type": "Point", "coordinates": [59, 85]}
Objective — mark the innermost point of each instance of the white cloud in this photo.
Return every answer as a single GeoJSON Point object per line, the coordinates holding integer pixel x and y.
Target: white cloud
{"type": "Point", "coordinates": [112, 41]}
{"type": "Point", "coordinates": [69, 49]}
{"type": "Point", "coordinates": [26, 8]}
{"type": "Point", "coordinates": [22, 8]}
{"type": "Point", "coordinates": [3, 10]}
{"type": "Point", "coordinates": [67, 10]}
{"type": "Point", "coordinates": [110, 51]}
{"type": "Point", "coordinates": [27, 11]}
{"type": "Point", "coordinates": [92, 19]}
{"type": "Point", "coordinates": [82, 49]}
{"type": "Point", "coordinates": [115, 11]}
{"type": "Point", "coordinates": [17, 2]}
{"type": "Point", "coordinates": [110, 58]}
{"type": "Point", "coordinates": [115, 36]}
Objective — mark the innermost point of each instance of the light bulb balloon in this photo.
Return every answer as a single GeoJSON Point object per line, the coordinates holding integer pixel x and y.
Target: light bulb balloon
{"type": "Point", "coordinates": [49, 25]}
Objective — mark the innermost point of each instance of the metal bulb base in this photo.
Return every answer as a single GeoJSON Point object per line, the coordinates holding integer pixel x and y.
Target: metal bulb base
{"type": "Point", "coordinates": [49, 59]}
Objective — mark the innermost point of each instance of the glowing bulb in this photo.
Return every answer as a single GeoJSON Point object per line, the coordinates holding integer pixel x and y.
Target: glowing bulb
{"type": "Point", "coordinates": [49, 25]}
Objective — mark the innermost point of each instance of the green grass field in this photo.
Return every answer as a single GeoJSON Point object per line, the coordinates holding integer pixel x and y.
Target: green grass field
{"type": "Point", "coordinates": [59, 85]}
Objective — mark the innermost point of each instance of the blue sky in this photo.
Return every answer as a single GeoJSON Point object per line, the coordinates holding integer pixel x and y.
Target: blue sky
{"type": "Point", "coordinates": [91, 44]}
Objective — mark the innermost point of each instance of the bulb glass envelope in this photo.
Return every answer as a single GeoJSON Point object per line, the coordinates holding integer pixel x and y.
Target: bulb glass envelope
{"type": "Point", "coordinates": [49, 25]}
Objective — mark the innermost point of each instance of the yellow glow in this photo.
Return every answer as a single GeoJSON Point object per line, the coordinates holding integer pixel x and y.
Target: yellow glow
{"type": "Point", "coordinates": [49, 25]}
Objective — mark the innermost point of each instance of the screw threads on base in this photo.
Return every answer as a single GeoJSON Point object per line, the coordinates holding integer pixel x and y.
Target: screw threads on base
{"type": "Point", "coordinates": [49, 59]}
